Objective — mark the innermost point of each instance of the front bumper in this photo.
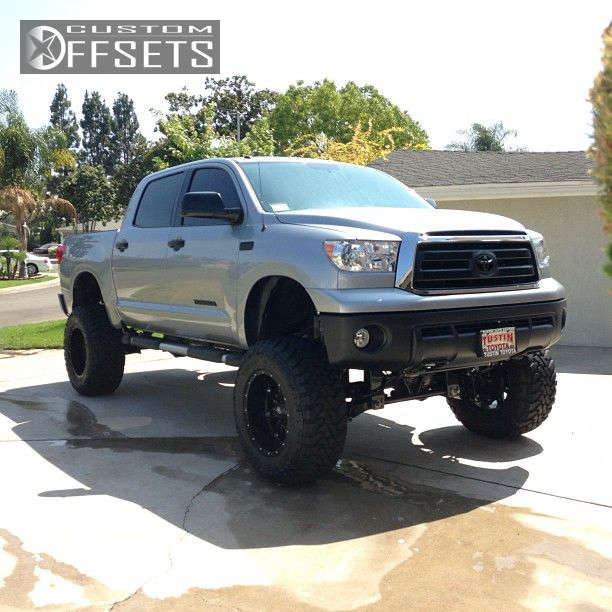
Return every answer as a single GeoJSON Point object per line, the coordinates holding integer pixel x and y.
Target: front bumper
{"type": "Point", "coordinates": [438, 339]}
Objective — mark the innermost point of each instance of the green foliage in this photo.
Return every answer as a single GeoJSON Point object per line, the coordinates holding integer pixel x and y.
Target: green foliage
{"type": "Point", "coordinates": [11, 256]}
{"type": "Point", "coordinates": [364, 147]}
{"type": "Point", "coordinates": [235, 96]}
{"type": "Point", "coordinates": [480, 137]}
{"type": "Point", "coordinates": [323, 108]}
{"type": "Point", "coordinates": [124, 130]}
{"type": "Point", "coordinates": [92, 194]}
{"type": "Point", "coordinates": [182, 102]}
{"type": "Point", "coordinates": [601, 149]}
{"type": "Point", "coordinates": [63, 118]}
{"type": "Point", "coordinates": [96, 126]}
{"type": "Point", "coordinates": [144, 160]}
{"type": "Point", "coordinates": [259, 140]}
{"type": "Point", "coordinates": [192, 137]}
{"type": "Point", "coordinates": [18, 144]}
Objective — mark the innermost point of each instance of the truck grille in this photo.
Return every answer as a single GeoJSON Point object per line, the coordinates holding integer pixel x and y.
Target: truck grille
{"type": "Point", "coordinates": [473, 265]}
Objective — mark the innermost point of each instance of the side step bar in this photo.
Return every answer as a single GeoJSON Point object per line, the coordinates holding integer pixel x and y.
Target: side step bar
{"type": "Point", "coordinates": [218, 355]}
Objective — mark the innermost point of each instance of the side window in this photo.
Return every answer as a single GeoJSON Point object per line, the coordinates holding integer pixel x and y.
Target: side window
{"type": "Point", "coordinates": [213, 179]}
{"type": "Point", "coordinates": [157, 201]}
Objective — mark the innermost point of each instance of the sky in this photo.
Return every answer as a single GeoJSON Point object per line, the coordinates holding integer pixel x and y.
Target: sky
{"type": "Point", "coordinates": [448, 63]}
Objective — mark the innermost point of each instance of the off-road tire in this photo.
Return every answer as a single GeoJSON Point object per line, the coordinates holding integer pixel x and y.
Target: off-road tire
{"type": "Point", "coordinates": [315, 409]}
{"type": "Point", "coordinates": [530, 397]}
{"type": "Point", "coordinates": [93, 351]}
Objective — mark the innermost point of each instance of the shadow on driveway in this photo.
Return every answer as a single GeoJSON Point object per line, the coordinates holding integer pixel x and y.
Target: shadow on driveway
{"type": "Point", "coordinates": [156, 415]}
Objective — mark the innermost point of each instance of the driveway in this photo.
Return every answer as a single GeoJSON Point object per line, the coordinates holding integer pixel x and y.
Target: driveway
{"type": "Point", "coordinates": [141, 500]}
{"type": "Point", "coordinates": [31, 306]}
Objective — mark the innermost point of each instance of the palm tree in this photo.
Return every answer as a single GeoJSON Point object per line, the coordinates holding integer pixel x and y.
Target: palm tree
{"type": "Point", "coordinates": [25, 208]}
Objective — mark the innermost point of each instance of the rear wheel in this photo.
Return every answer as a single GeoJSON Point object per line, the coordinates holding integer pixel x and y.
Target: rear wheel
{"type": "Point", "coordinates": [289, 408]}
{"type": "Point", "coordinates": [93, 351]}
{"type": "Point", "coordinates": [508, 399]}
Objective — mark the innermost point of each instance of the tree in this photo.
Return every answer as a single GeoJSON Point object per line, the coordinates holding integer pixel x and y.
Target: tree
{"type": "Point", "coordinates": [182, 102]}
{"type": "Point", "coordinates": [364, 147]}
{"type": "Point", "coordinates": [92, 194]}
{"type": "Point", "coordinates": [236, 97]}
{"type": "Point", "coordinates": [11, 256]}
{"type": "Point", "coordinates": [26, 208]}
{"type": "Point", "coordinates": [18, 145]}
{"type": "Point", "coordinates": [601, 149]}
{"type": "Point", "coordinates": [259, 140]}
{"type": "Point", "coordinates": [29, 160]}
{"type": "Point", "coordinates": [63, 118]}
{"type": "Point", "coordinates": [96, 125]}
{"type": "Point", "coordinates": [192, 137]}
{"type": "Point", "coordinates": [124, 128]}
{"type": "Point", "coordinates": [323, 108]}
{"type": "Point", "coordinates": [128, 175]}
{"type": "Point", "coordinates": [483, 138]}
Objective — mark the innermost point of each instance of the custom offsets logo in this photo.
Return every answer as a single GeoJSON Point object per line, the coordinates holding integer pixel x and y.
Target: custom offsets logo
{"type": "Point", "coordinates": [119, 47]}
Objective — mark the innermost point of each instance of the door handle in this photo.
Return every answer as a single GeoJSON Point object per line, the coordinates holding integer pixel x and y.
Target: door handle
{"type": "Point", "coordinates": [177, 244]}
{"type": "Point", "coordinates": [122, 245]}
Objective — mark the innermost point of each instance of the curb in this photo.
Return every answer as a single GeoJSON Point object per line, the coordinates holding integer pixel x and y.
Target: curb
{"type": "Point", "coordinates": [32, 287]}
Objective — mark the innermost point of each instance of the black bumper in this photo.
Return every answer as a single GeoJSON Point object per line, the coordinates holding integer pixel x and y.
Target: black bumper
{"type": "Point", "coordinates": [447, 339]}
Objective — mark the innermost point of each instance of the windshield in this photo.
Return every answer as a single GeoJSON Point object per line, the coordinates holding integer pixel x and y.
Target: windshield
{"type": "Point", "coordinates": [286, 186]}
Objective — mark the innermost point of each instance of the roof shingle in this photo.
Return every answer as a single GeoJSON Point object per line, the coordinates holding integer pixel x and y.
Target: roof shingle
{"type": "Point", "coordinates": [429, 168]}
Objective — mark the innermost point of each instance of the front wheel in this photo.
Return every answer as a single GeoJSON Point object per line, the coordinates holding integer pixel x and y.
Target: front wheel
{"type": "Point", "coordinates": [509, 399]}
{"type": "Point", "coordinates": [93, 352]}
{"type": "Point", "coordinates": [32, 269]}
{"type": "Point", "coordinates": [289, 408]}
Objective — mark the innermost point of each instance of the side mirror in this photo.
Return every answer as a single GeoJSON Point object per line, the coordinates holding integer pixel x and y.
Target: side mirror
{"type": "Point", "coordinates": [208, 205]}
{"type": "Point", "coordinates": [431, 201]}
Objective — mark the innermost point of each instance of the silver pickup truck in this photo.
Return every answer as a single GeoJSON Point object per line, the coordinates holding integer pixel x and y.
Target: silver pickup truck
{"type": "Point", "coordinates": [334, 288]}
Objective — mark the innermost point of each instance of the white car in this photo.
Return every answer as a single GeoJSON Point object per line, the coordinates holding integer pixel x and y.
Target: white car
{"type": "Point", "coordinates": [38, 263]}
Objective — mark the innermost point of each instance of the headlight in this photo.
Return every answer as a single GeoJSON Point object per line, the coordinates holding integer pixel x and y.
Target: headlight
{"type": "Point", "coordinates": [363, 255]}
{"type": "Point", "coordinates": [539, 248]}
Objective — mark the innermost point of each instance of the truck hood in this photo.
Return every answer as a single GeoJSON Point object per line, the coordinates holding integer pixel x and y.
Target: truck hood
{"type": "Point", "coordinates": [399, 220]}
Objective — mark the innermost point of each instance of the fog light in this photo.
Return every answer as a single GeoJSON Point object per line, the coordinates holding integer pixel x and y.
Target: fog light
{"type": "Point", "coordinates": [361, 338]}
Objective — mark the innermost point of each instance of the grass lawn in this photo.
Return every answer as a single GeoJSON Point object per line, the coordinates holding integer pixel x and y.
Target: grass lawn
{"type": "Point", "coordinates": [49, 334]}
{"type": "Point", "coordinates": [24, 281]}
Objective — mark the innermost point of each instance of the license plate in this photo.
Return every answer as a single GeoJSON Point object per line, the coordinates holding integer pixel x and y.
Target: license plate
{"type": "Point", "coordinates": [498, 342]}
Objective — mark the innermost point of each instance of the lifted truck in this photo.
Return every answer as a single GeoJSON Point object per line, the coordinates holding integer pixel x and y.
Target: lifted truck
{"type": "Point", "coordinates": [298, 271]}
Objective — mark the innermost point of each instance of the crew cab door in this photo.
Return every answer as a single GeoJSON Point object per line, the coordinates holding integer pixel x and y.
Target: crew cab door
{"type": "Point", "coordinates": [139, 254]}
{"type": "Point", "coordinates": [201, 262]}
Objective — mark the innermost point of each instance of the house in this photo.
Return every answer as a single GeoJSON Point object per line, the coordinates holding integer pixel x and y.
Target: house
{"type": "Point", "coordinates": [550, 192]}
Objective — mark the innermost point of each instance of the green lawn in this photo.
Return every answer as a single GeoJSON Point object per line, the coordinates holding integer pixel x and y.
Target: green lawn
{"type": "Point", "coordinates": [24, 281]}
{"type": "Point", "coordinates": [49, 334]}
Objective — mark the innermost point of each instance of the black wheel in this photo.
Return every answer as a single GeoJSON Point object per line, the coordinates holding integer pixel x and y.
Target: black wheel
{"type": "Point", "coordinates": [508, 399]}
{"type": "Point", "coordinates": [290, 411]}
{"type": "Point", "coordinates": [93, 351]}
{"type": "Point", "coordinates": [32, 269]}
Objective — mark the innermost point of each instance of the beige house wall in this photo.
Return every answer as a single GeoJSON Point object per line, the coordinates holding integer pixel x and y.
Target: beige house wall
{"type": "Point", "coordinates": [572, 227]}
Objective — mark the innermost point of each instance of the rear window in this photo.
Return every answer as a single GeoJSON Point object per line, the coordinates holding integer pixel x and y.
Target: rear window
{"type": "Point", "coordinates": [157, 201]}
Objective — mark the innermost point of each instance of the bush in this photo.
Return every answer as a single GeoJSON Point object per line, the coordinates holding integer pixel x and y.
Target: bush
{"type": "Point", "coordinates": [10, 256]}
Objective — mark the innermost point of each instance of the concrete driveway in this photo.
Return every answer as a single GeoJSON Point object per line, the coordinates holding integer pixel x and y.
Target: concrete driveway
{"type": "Point", "coordinates": [141, 501]}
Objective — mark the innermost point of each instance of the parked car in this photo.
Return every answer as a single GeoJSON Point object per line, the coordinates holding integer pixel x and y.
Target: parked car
{"type": "Point", "coordinates": [36, 264]}
{"type": "Point", "coordinates": [44, 248]}
{"type": "Point", "coordinates": [299, 270]}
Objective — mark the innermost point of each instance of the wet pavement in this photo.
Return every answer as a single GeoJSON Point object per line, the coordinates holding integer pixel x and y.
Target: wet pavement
{"type": "Point", "coordinates": [141, 500]}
